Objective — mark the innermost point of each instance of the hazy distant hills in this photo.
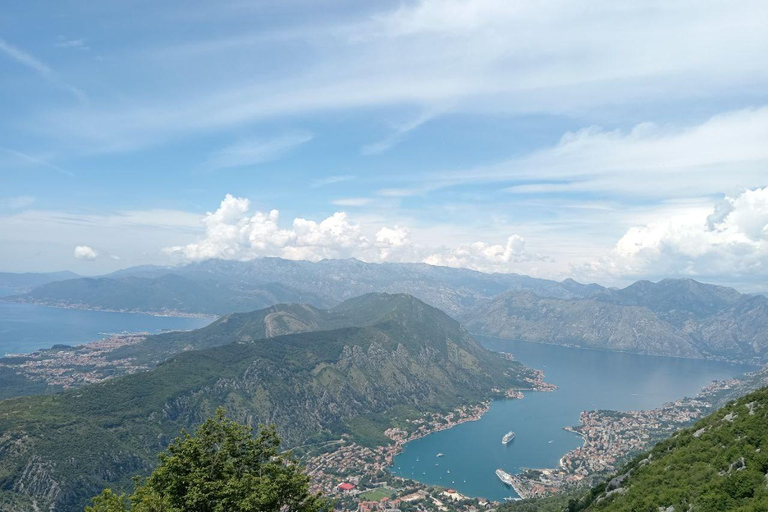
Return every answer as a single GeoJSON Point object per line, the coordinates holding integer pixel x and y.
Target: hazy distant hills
{"type": "Point", "coordinates": [383, 357]}
{"type": "Point", "coordinates": [328, 282]}
{"type": "Point", "coordinates": [674, 317]}
{"type": "Point", "coordinates": [22, 283]}
{"type": "Point", "coordinates": [169, 293]}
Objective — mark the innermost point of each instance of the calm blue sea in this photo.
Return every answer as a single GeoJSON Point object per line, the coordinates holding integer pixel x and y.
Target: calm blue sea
{"type": "Point", "coordinates": [26, 327]}
{"type": "Point", "coordinates": [586, 379]}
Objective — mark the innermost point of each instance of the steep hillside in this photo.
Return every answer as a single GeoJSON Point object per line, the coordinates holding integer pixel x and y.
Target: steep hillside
{"type": "Point", "coordinates": [412, 358]}
{"type": "Point", "coordinates": [585, 323]}
{"type": "Point", "coordinates": [681, 318]}
{"type": "Point", "coordinates": [719, 464]}
{"type": "Point", "coordinates": [167, 293]}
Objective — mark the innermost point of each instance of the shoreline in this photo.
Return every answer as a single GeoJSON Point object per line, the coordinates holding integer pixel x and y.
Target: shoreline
{"type": "Point", "coordinates": [717, 359]}
{"type": "Point", "coordinates": [83, 307]}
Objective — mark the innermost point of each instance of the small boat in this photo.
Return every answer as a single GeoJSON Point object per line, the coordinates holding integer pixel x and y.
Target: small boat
{"type": "Point", "coordinates": [509, 436]}
{"type": "Point", "coordinates": [439, 454]}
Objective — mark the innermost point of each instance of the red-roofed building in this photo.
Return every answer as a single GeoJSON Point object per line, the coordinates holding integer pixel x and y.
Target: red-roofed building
{"type": "Point", "coordinates": [345, 486]}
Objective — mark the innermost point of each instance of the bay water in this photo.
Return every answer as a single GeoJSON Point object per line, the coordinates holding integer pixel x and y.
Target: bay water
{"type": "Point", "coordinates": [586, 380]}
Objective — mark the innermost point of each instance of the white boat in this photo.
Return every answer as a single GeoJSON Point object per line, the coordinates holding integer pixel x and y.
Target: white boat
{"type": "Point", "coordinates": [509, 436]}
{"type": "Point", "coordinates": [439, 454]}
{"type": "Point", "coordinates": [504, 476]}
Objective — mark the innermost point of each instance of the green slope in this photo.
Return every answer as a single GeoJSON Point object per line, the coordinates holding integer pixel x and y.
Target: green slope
{"type": "Point", "coordinates": [58, 450]}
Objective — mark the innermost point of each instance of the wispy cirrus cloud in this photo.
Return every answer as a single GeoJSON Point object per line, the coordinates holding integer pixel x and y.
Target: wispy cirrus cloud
{"type": "Point", "coordinates": [484, 56]}
{"type": "Point", "coordinates": [653, 161]}
{"type": "Point", "coordinates": [18, 157]}
{"type": "Point", "coordinates": [42, 69]}
{"type": "Point", "coordinates": [330, 180]}
{"type": "Point", "coordinates": [258, 150]}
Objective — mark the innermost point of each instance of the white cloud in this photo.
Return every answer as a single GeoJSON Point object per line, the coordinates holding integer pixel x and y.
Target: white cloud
{"type": "Point", "coordinates": [482, 256]}
{"type": "Point", "coordinates": [330, 180]}
{"type": "Point", "coordinates": [393, 242]}
{"type": "Point", "coordinates": [20, 202]}
{"type": "Point", "coordinates": [18, 158]}
{"type": "Point", "coordinates": [39, 67]}
{"type": "Point", "coordinates": [497, 56]}
{"type": "Point", "coordinates": [256, 151]}
{"type": "Point", "coordinates": [352, 201]}
{"type": "Point", "coordinates": [726, 241]}
{"type": "Point", "coordinates": [723, 152]}
{"type": "Point", "coordinates": [399, 132]}
{"type": "Point", "coordinates": [84, 252]}
{"type": "Point", "coordinates": [76, 44]}
{"type": "Point", "coordinates": [232, 232]}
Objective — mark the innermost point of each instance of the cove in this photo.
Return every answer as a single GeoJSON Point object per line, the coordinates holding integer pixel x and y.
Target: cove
{"type": "Point", "coordinates": [28, 327]}
{"type": "Point", "coordinates": [586, 380]}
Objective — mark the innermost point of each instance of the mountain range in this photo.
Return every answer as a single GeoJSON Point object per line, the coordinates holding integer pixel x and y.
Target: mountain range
{"type": "Point", "coordinates": [380, 359]}
{"type": "Point", "coordinates": [674, 317]}
{"type": "Point", "coordinates": [323, 283]}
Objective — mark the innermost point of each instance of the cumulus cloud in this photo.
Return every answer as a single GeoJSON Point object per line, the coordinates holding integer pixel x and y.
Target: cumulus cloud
{"type": "Point", "coordinates": [482, 256]}
{"type": "Point", "coordinates": [232, 232]}
{"type": "Point", "coordinates": [86, 253]}
{"type": "Point", "coordinates": [728, 239]}
{"type": "Point", "coordinates": [393, 242]}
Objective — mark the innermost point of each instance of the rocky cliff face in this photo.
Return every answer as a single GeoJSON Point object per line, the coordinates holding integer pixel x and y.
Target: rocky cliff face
{"type": "Point", "coordinates": [681, 318]}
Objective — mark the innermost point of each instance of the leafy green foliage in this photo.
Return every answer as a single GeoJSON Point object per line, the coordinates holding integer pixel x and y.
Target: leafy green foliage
{"type": "Point", "coordinates": [221, 468]}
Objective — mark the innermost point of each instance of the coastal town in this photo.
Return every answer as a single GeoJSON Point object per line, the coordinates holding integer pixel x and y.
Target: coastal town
{"type": "Point", "coordinates": [66, 366]}
{"type": "Point", "coordinates": [610, 438]}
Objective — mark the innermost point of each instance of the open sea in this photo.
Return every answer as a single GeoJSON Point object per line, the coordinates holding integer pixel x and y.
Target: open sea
{"type": "Point", "coordinates": [587, 380]}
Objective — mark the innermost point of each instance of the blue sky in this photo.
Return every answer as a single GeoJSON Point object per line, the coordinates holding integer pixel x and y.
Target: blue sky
{"type": "Point", "coordinates": [606, 141]}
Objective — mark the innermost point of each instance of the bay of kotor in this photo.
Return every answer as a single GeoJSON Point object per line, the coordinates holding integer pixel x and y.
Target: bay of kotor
{"type": "Point", "coordinates": [586, 380]}
{"type": "Point", "coordinates": [28, 327]}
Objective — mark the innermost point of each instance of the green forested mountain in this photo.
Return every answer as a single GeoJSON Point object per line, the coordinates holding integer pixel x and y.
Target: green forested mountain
{"type": "Point", "coordinates": [407, 358]}
{"type": "Point", "coordinates": [719, 464]}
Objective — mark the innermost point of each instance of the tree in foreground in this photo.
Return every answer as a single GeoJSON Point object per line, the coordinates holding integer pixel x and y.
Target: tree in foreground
{"type": "Point", "coordinates": [221, 468]}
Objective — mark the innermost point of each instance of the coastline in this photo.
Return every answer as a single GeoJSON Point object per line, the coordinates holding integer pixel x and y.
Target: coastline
{"type": "Point", "coordinates": [172, 313]}
{"type": "Point", "coordinates": [718, 359]}
{"type": "Point", "coordinates": [326, 468]}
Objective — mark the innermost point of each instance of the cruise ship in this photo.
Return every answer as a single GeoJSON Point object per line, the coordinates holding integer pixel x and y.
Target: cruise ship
{"type": "Point", "coordinates": [509, 436]}
{"type": "Point", "coordinates": [504, 476]}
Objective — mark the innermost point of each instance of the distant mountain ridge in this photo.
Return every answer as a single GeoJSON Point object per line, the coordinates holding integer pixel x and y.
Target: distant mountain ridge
{"type": "Point", "coordinates": [674, 317]}
{"type": "Point", "coordinates": [169, 293]}
{"type": "Point", "coordinates": [384, 358]}
{"type": "Point", "coordinates": [25, 282]}
{"type": "Point", "coordinates": [323, 283]}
